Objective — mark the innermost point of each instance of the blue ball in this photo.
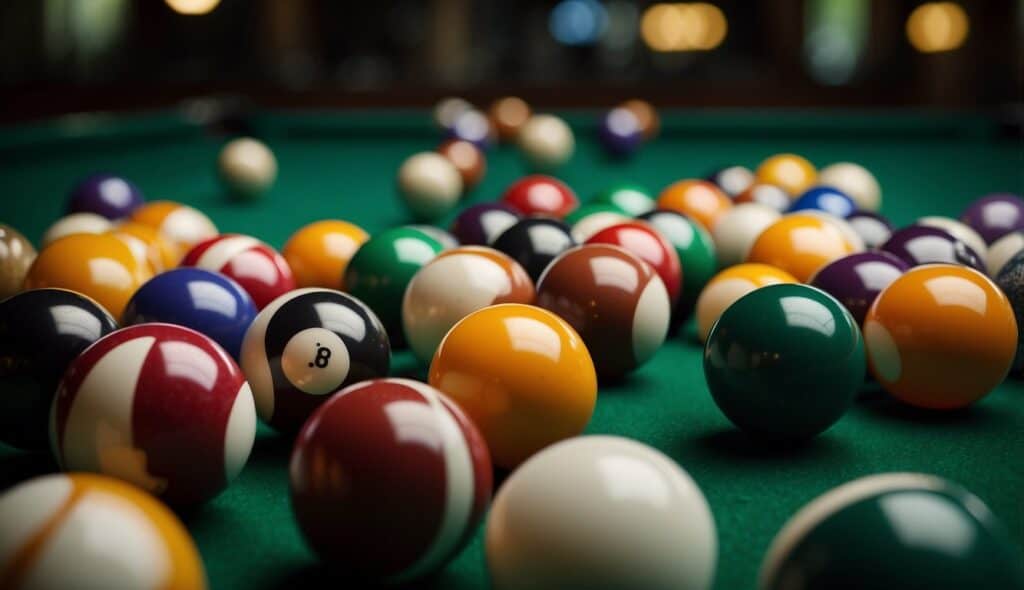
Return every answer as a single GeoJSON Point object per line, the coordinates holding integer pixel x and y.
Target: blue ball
{"type": "Point", "coordinates": [827, 199]}
{"type": "Point", "coordinates": [620, 132]}
{"type": "Point", "coordinates": [205, 301]}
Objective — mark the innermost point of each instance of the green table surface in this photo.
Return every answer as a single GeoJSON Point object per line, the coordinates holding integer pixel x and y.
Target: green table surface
{"type": "Point", "coordinates": [342, 165]}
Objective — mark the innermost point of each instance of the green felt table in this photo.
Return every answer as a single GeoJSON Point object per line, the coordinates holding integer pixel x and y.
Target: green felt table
{"type": "Point", "coordinates": [343, 164]}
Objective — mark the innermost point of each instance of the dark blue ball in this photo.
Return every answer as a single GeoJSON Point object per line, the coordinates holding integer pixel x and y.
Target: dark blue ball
{"type": "Point", "coordinates": [108, 195]}
{"type": "Point", "coordinates": [620, 132]}
{"type": "Point", "coordinates": [206, 301]}
{"type": "Point", "coordinates": [827, 199]}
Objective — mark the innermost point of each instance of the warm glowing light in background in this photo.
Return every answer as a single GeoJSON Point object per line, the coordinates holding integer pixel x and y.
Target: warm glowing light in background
{"type": "Point", "coordinates": [192, 6]}
{"type": "Point", "coordinates": [937, 26]}
{"type": "Point", "coordinates": [697, 26]}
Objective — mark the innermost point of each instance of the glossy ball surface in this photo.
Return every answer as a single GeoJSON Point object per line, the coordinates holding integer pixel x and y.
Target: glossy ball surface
{"type": "Point", "coordinates": [76, 223]}
{"type": "Point", "coordinates": [454, 285]}
{"type": "Point", "coordinates": [619, 132]}
{"type": "Point", "coordinates": [941, 336]}
{"type": "Point", "coordinates": [319, 253]}
{"type": "Point", "coordinates": [474, 127]}
{"type": "Point", "coordinates": [508, 115]}
{"type": "Point", "coordinates": [631, 199]}
{"type": "Point", "coordinates": [994, 216]}
{"type": "Point", "coordinates": [737, 230]}
{"type": "Point", "coordinates": [594, 217]}
{"type": "Point", "coordinates": [857, 279]}
{"type": "Point", "coordinates": [733, 180]}
{"type": "Point", "coordinates": [728, 286]}
{"type": "Point", "coordinates": [467, 158]}
{"type": "Point", "coordinates": [307, 345]}
{"type": "Point", "coordinates": [765, 194]}
{"type": "Point", "coordinates": [108, 195]}
{"type": "Point", "coordinates": [258, 268]}
{"type": "Point", "coordinates": [381, 270]}
{"type": "Point", "coordinates": [647, 244]}
{"type": "Point", "coordinates": [148, 244]}
{"type": "Point", "coordinates": [87, 531]}
{"type": "Point", "coordinates": [522, 395]}
{"type": "Point", "coordinates": [41, 332]}
{"type": "Point", "coordinates": [446, 239]}
{"type": "Point", "coordinates": [614, 300]}
{"type": "Point", "coordinates": [184, 226]}
{"type": "Point", "coordinates": [429, 185]}
{"type": "Point", "coordinates": [546, 142]}
{"type": "Point", "coordinates": [534, 242]}
{"type": "Point", "coordinates": [800, 244]}
{"type": "Point", "coordinates": [646, 114]}
{"type": "Point", "coordinates": [696, 251]}
{"type": "Point", "coordinates": [699, 200]}
{"type": "Point", "coordinates": [893, 530]}
{"type": "Point", "coordinates": [768, 357]}
{"type": "Point", "coordinates": [659, 536]}
{"type": "Point", "coordinates": [958, 230]}
{"type": "Point", "coordinates": [205, 301]}
{"type": "Point", "coordinates": [247, 168]}
{"type": "Point", "coordinates": [917, 245]}
{"type": "Point", "coordinates": [159, 406]}
{"type": "Point", "coordinates": [1011, 280]}
{"type": "Point", "coordinates": [793, 173]}
{"type": "Point", "coordinates": [1002, 250]}
{"type": "Point", "coordinates": [541, 195]}
{"type": "Point", "coordinates": [825, 198]}
{"type": "Point", "coordinates": [481, 224]}
{"type": "Point", "coordinates": [856, 182]}
{"type": "Point", "coordinates": [389, 480]}
{"type": "Point", "coordinates": [16, 256]}
{"type": "Point", "coordinates": [873, 228]}
{"type": "Point", "coordinates": [99, 266]}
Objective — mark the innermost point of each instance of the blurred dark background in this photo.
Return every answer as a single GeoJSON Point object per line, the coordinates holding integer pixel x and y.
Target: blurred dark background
{"type": "Point", "coordinates": [59, 56]}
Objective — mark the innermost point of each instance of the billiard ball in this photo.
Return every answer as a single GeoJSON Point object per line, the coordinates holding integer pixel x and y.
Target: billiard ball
{"type": "Point", "coordinates": [736, 231]}
{"type": "Point", "coordinates": [389, 480]}
{"type": "Point", "coordinates": [941, 336]}
{"type": "Point", "coordinates": [80, 530]}
{"type": "Point", "coordinates": [468, 160]}
{"type": "Point", "coordinates": [381, 269]}
{"type": "Point", "coordinates": [546, 142]}
{"type": "Point", "coordinates": [429, 185]}
{"type": "Point", "coordinates": [522, 374]}
{"type": "Point", "coordinates": [619, 132]}
{"type": "Point", "coordinates": [455, 284]}
{"type": "Point", "coordinates": [16, 256]}
{"type": "Point", "coordinates": [541, 195]}
{"type": "Point", "coordinates": [111, 196]}
{"type": "Point", "coordinates": [699, 200]}
{"type": "Point", "coordinates": [993, 216]}
{"type": "Point", "coordinates": [768, 355]}
{"type": "Point", "coordinates": [258, 268]}
{"type": "Point", "coordinates": [534, 242]}
{"type": "Point", "coordinates": [159, 406]}
{"type": "Point", "coordinates": [662, 537]}
{"type": "Point", "coordinates": [614, 300]}
{"type": "Point", "coordinates": [319, 253]}
{"type": "Point", "coordinates": [149, 243]}
{"type": "Point", "coordinates": [824, 198]}
{"type": "Point", "coordinates": [474, 127]}
{"type": "Point", "coordinates": [650, 246]}
{"type": "Point", "coordinates": [76, 223]}
{"type": "Point", "coordinates": [873, 228]}
{"type": "Point", "coordinates": [849, 234]}
{"type": "Point", "coordinates": [99, 266]}
{"type": "Point", "coordinates": [41, 332]}
{"type": "Point", "coordinates": [858, 535]}
{"type": "Point", "coordinates": [856, 182]}
{"type": "Point", "coordinates": [594, 217]}
{"type": "Point", "coordinates": [857, 279]}
{"type": "Point", "coordinates": [733, 180]}
{"type": "Point", "coordinates": [448, 109]}
{"type": "Point", "coordinates": [246, 168]}
{"type": "Point", "coordinates": [917, 245]}
{"type": "Point", "coordinates": [766, 194]}
{"type": "Point", "coordinates": [308, 344]}
{"type": "Point", "coordinates": [206, 301]}
{"type": "Point", "coordinates": [729, 285]}
{"type": "Point", "coordinates": [446, 239]}
{"type": "Point", "coordinates": [959, 230]}
{"type": "Point", "coordinates": [632, 199]}
{"type": "Point", "coordinates": [182, 225]}
{"type": "Point", "coordinates": [1002, 250]}
{"type": "Point", "coordinates": [793, 173]}
{"type": "Point", "coordinates": [480, 224]}
{"type": "Point", "coordinates": [646, 114]}
{"type": "Point", "coordinates": [1011, 280]}
{"type": "Point", "coordinates": [800, 244]}
{"type": "Point", "coordinates": [508, 115]}
{"type": "Point", "coordinates": [697, 257]}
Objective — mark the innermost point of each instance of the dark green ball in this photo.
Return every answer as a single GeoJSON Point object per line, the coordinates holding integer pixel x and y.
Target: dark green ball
{"type": "Point", "coordinates": [633, 199]}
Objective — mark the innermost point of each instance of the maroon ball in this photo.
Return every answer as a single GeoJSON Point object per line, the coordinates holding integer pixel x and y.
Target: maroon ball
{"type": "Point", "coordinates": [857, 279]}
{"type": "Point", "coordinates": [918, 245]}
{"type": "Point", "coordinates": [389, 480]}
{"type": "Point", "coordinates": [994, 216]}
{"type": "Point", "coordinates": [481, 224]}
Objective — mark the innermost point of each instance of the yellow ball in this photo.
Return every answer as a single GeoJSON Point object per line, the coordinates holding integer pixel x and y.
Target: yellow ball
{"type": "Point", "coordinates": [791, 172]}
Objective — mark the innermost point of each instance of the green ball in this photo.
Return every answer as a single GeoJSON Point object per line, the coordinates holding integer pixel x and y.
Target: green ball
{"type": "Point", "coordinates": [631, 198]}
{"type": "Point", "coordinates": [696, 252]}
{"type": "Point", "coordinates": [784, 361]}
{"type": "Point", "coordinates": [894, 530]}
{"type": "Point", "coordinates": [381, 270]}
{"type": "Point", "coordinates": [589, 209]}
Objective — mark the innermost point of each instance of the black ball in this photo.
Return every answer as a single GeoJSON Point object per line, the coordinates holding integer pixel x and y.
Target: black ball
{"type": "Point", "coordinates": [534, 242]}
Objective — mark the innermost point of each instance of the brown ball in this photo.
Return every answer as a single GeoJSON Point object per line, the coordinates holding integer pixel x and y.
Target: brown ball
{"type": "Point", "coordinates": [508, 115]}
{"type": "Point", "coordinates": [468, 160]}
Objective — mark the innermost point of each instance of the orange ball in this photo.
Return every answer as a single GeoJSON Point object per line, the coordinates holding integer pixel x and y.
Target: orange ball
{"type": "Point", "coordinates": [180, 224]}
{"type": "Point", "coordinates": [149, 243]}
{"type": "Point", "coordinates": [941, 336]}
{"type": "Point", "coordinates": [791, 172]}
{"type": "Point", "coordinates": [699, 200]}
{"type": "Point", "coordinates": [508, 115]}
{"type": "Point", "coordinates": [726, 287]}
{"type": "Point", "coordinates": [800, 244]}
{"type": "Point", "coordinates": [100, 266]}
{"type": "Point", "coordinates": [319, 253]}
{"type": "Point", "coordinates": [645, 113]}
{"type": "Point", "coordinates": [468, 160]}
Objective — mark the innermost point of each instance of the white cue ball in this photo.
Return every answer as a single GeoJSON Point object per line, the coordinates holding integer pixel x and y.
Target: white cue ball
{"type": "Point", "coordinates": [959, 230]}
{"type": "Point", "coordinates": [854, 180]}
{"type": "Point", "coordinates": [1002, 250]}
{"type": "Point", "coordinates": [429, 184]}
{"type": "Point", "coordinates": [76, 223]}
{"type": "Point", "coordinates": [735, 232]}
{"type": "Point", "coordinates": [247, 167]}
{"type": "Point", "coordinates": [546, 142]}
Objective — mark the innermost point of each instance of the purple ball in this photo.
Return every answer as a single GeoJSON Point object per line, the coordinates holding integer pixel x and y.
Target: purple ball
{"type": "Point", "coordinates": [620, 133]}
{"type": "Point", "coordinates": [872, 227]}
{"type": "Point", "coordinates": [994, 216]}
{"type": "Point", "coordinates": [108, 195]}
{"type": "Point", "coordinates": [857, 279]}
{"type": "Point", "coordinates": [481, 224]}
{"type": "Point", "coordinates": [474, 127]}
{"type": "Point", "coordinates": [918, 245]}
